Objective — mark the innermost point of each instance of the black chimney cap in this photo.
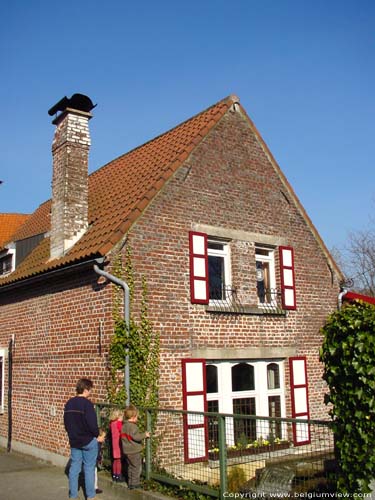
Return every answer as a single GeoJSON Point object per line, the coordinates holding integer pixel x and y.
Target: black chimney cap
{"type": "Point", "coordinates": [77, 101]}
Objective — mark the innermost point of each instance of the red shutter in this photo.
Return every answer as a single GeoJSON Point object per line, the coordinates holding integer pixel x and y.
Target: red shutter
{"type": "Point", "coordinates": [288, 289]}
{"type": "Point", "coordinates": [198, 268]}
{"type": "Point", "coordinates": [194, 399]}
{"type": "Point", "coordinates": [300, 399]}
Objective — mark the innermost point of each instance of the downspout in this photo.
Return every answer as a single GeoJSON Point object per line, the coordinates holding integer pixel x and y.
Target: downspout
{"type": "Point", "coordinates": [125, 287]}
{"type": "Point", "coordinates": [343, 292]}
{"type": "Point", "coordinates": [10, 393]}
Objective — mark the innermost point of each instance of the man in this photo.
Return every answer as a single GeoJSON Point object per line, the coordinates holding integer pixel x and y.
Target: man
{"type": "Point", "coordinates": [82, 428]}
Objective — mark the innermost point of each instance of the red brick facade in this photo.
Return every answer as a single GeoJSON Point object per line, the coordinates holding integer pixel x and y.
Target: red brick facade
{"type": "Point", "coordinates": [229, 186]}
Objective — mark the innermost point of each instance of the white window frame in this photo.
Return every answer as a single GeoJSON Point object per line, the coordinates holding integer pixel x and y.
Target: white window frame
{"type": "Point", "coordinates": [2, 398]}
{"type": "Point", "coordinates": [225, 254]}
{"type": "Point", "coordinates": [225, 395]}
{"type": "Point", "coordinates": [270, 260]}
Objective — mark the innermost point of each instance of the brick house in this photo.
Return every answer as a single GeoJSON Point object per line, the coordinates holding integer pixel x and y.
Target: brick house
{"type": "Point", "coordinates": [239, 280]}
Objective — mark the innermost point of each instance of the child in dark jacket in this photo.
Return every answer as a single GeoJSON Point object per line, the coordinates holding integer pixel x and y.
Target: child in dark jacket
{"type": "Point", "coordinates": [131, 439]}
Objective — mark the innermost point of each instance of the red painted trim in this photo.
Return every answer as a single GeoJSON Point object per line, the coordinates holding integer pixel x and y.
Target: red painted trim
{"type": "Point", "coordinates": [357, 296]}
{"type": "Point", "coordinates": [199, 278]}
{"type": "Point", "coordinates": [283, 286]}
{"type": "Point", "coordinates": [293, 386]}
{"type": "Point", "coordinates": [186, 425]}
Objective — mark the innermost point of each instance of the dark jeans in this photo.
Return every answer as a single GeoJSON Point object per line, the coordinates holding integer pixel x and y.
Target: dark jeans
{"type": "Point", "coordinates": [134, 466]}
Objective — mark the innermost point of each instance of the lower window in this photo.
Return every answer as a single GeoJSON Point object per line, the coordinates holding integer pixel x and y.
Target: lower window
{"type": "Point", "coordinates": [246, 388]}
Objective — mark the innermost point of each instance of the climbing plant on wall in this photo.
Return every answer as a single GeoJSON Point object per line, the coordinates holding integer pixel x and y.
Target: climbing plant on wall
{"type": "Point", "coordinates": [141, 342]}
{"type": "Point", "coordinates": [348, 354]}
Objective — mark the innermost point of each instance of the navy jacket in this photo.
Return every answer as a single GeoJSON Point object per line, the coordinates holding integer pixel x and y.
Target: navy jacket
{"type": "Point", "coordinates": [80, 421]}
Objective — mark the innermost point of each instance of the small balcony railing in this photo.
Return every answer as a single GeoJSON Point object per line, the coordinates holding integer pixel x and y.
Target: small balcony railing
{"type": "Point", "coordinates": [269, 299]}
{"type": "Point", "coordinates": [227, 299]}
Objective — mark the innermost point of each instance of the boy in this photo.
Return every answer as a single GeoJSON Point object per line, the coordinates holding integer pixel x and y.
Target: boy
{"type": "Point", "coordinates": [131, 440]}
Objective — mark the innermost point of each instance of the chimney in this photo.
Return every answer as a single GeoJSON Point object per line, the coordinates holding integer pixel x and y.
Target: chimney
{"type": "Point", "coordinates": [70, 152]}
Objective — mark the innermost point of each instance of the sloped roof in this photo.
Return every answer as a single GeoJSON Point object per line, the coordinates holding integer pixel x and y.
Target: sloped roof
{"type": "Point", "coordinates": [118, 193]}
{"type": "Point", "coordinates": [9, 223]}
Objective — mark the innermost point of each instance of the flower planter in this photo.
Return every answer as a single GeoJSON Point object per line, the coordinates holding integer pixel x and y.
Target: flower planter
{"type": "Point", "coordinates": [254, 450]}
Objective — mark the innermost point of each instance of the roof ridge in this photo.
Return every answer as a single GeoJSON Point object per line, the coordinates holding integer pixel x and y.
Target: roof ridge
{"type": "Point", "coordinates": [230, 99]}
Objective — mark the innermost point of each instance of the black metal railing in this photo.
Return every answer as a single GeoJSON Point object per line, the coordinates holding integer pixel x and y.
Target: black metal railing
{"type": "Point", "coordinates": [228, 299]}
{"type": "Point", "coordinates": [225, 298]}
{"type": "Point", "coordinates": [269, 299]}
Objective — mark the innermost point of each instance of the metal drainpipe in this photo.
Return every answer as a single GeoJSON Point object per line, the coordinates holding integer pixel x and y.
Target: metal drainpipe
{"type": "Point", "coordinates": [125, 287]}
{"type": "Point", "coordinates": [343, 292]}
{"type": "Point", "coordinates": [10, 392]}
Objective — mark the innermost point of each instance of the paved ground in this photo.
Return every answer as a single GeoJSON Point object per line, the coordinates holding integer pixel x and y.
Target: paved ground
{"type": "Point", "coordinates": [26, 478]}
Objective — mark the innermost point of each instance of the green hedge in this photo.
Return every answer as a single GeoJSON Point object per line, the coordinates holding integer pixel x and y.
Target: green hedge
{"type": "Point", "coordinates": [348, 354]}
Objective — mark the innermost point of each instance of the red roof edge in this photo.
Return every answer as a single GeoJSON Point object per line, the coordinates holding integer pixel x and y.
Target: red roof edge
{"type": "Point", "coordinates": [359, 296]}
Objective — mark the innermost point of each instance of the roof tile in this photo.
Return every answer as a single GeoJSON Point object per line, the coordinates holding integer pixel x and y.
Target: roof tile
{"type": "Point", "coordinates": [9, 224]}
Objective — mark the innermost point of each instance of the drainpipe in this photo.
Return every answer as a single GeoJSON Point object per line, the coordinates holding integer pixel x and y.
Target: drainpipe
{"type": "Point", "coordinates": [10, 392]}
{"type": "Point", "coordinates": [343, 292]}
{"type": "Point", "coordinates": [125, 287]}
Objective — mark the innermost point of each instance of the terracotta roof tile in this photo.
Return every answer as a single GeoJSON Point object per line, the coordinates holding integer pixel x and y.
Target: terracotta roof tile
{"type": "Point", "coordinates": [119, 192]}
{"type": "Point", "coordinates": [9, 224]}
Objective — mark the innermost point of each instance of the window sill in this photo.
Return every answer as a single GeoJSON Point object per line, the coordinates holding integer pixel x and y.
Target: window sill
{"type": "Point", "coordinates": [247, 310]}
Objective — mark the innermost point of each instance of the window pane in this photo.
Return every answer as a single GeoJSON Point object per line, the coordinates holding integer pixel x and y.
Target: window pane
{"type": "Point", "coordinates": [243, 427]}
{"type": "Point", "coordinates": [274, 410]}
{"type": "Point", "coordinates": [261, 289]}
{"type": "Point", "coordinates": [213, 430]}
{"type": "Point", "coordinates": [215, 246]}
{"type": "Point", "coordinates": [273, 376]}
{"type": "Point", "coordinates": [243, 377]}
{"type": "Point", "coordinates": [216, 277]}
{"type": "Point", "coordinates": [6, 264]}
{"type": "Point", "coordinates": [263, 281]}
{"type": "Point", "coordinates": [211, 378]}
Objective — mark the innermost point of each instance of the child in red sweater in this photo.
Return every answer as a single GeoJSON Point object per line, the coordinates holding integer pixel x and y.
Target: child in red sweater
{"type": "Point", "coordinates": [116, 417]}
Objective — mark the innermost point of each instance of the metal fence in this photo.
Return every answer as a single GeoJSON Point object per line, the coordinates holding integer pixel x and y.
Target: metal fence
{"type": "Point", "coordinates": [223, 454]}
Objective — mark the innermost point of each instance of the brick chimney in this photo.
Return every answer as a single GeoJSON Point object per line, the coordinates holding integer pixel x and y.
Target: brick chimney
{"type": "Point", "coordinates": [70, 152]}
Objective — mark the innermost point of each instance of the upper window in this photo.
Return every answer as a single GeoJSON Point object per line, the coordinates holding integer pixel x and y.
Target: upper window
{"type": "Point", "coordinates": [265, 275]}
{"type": "Point", "coordinates": [273, 376]}
{"type": "Point", "coordinates": [211, 280]}
{"type": "Point", "coordinates": [218, 269]}
{"type": "Point", "coordinates": [211, 378]}
{"type": "Point", "coordinates": [242, 377]}
{"type": "Point", "coordinates": [6, 264]}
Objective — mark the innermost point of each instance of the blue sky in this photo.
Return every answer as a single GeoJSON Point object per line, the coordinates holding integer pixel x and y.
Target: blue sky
{"type": "Point", "coordinates": [304, 71]}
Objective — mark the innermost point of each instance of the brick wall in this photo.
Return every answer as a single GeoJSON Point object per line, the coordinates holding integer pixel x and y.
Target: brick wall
{"type": "Point", "coordinates": [62, 329]}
